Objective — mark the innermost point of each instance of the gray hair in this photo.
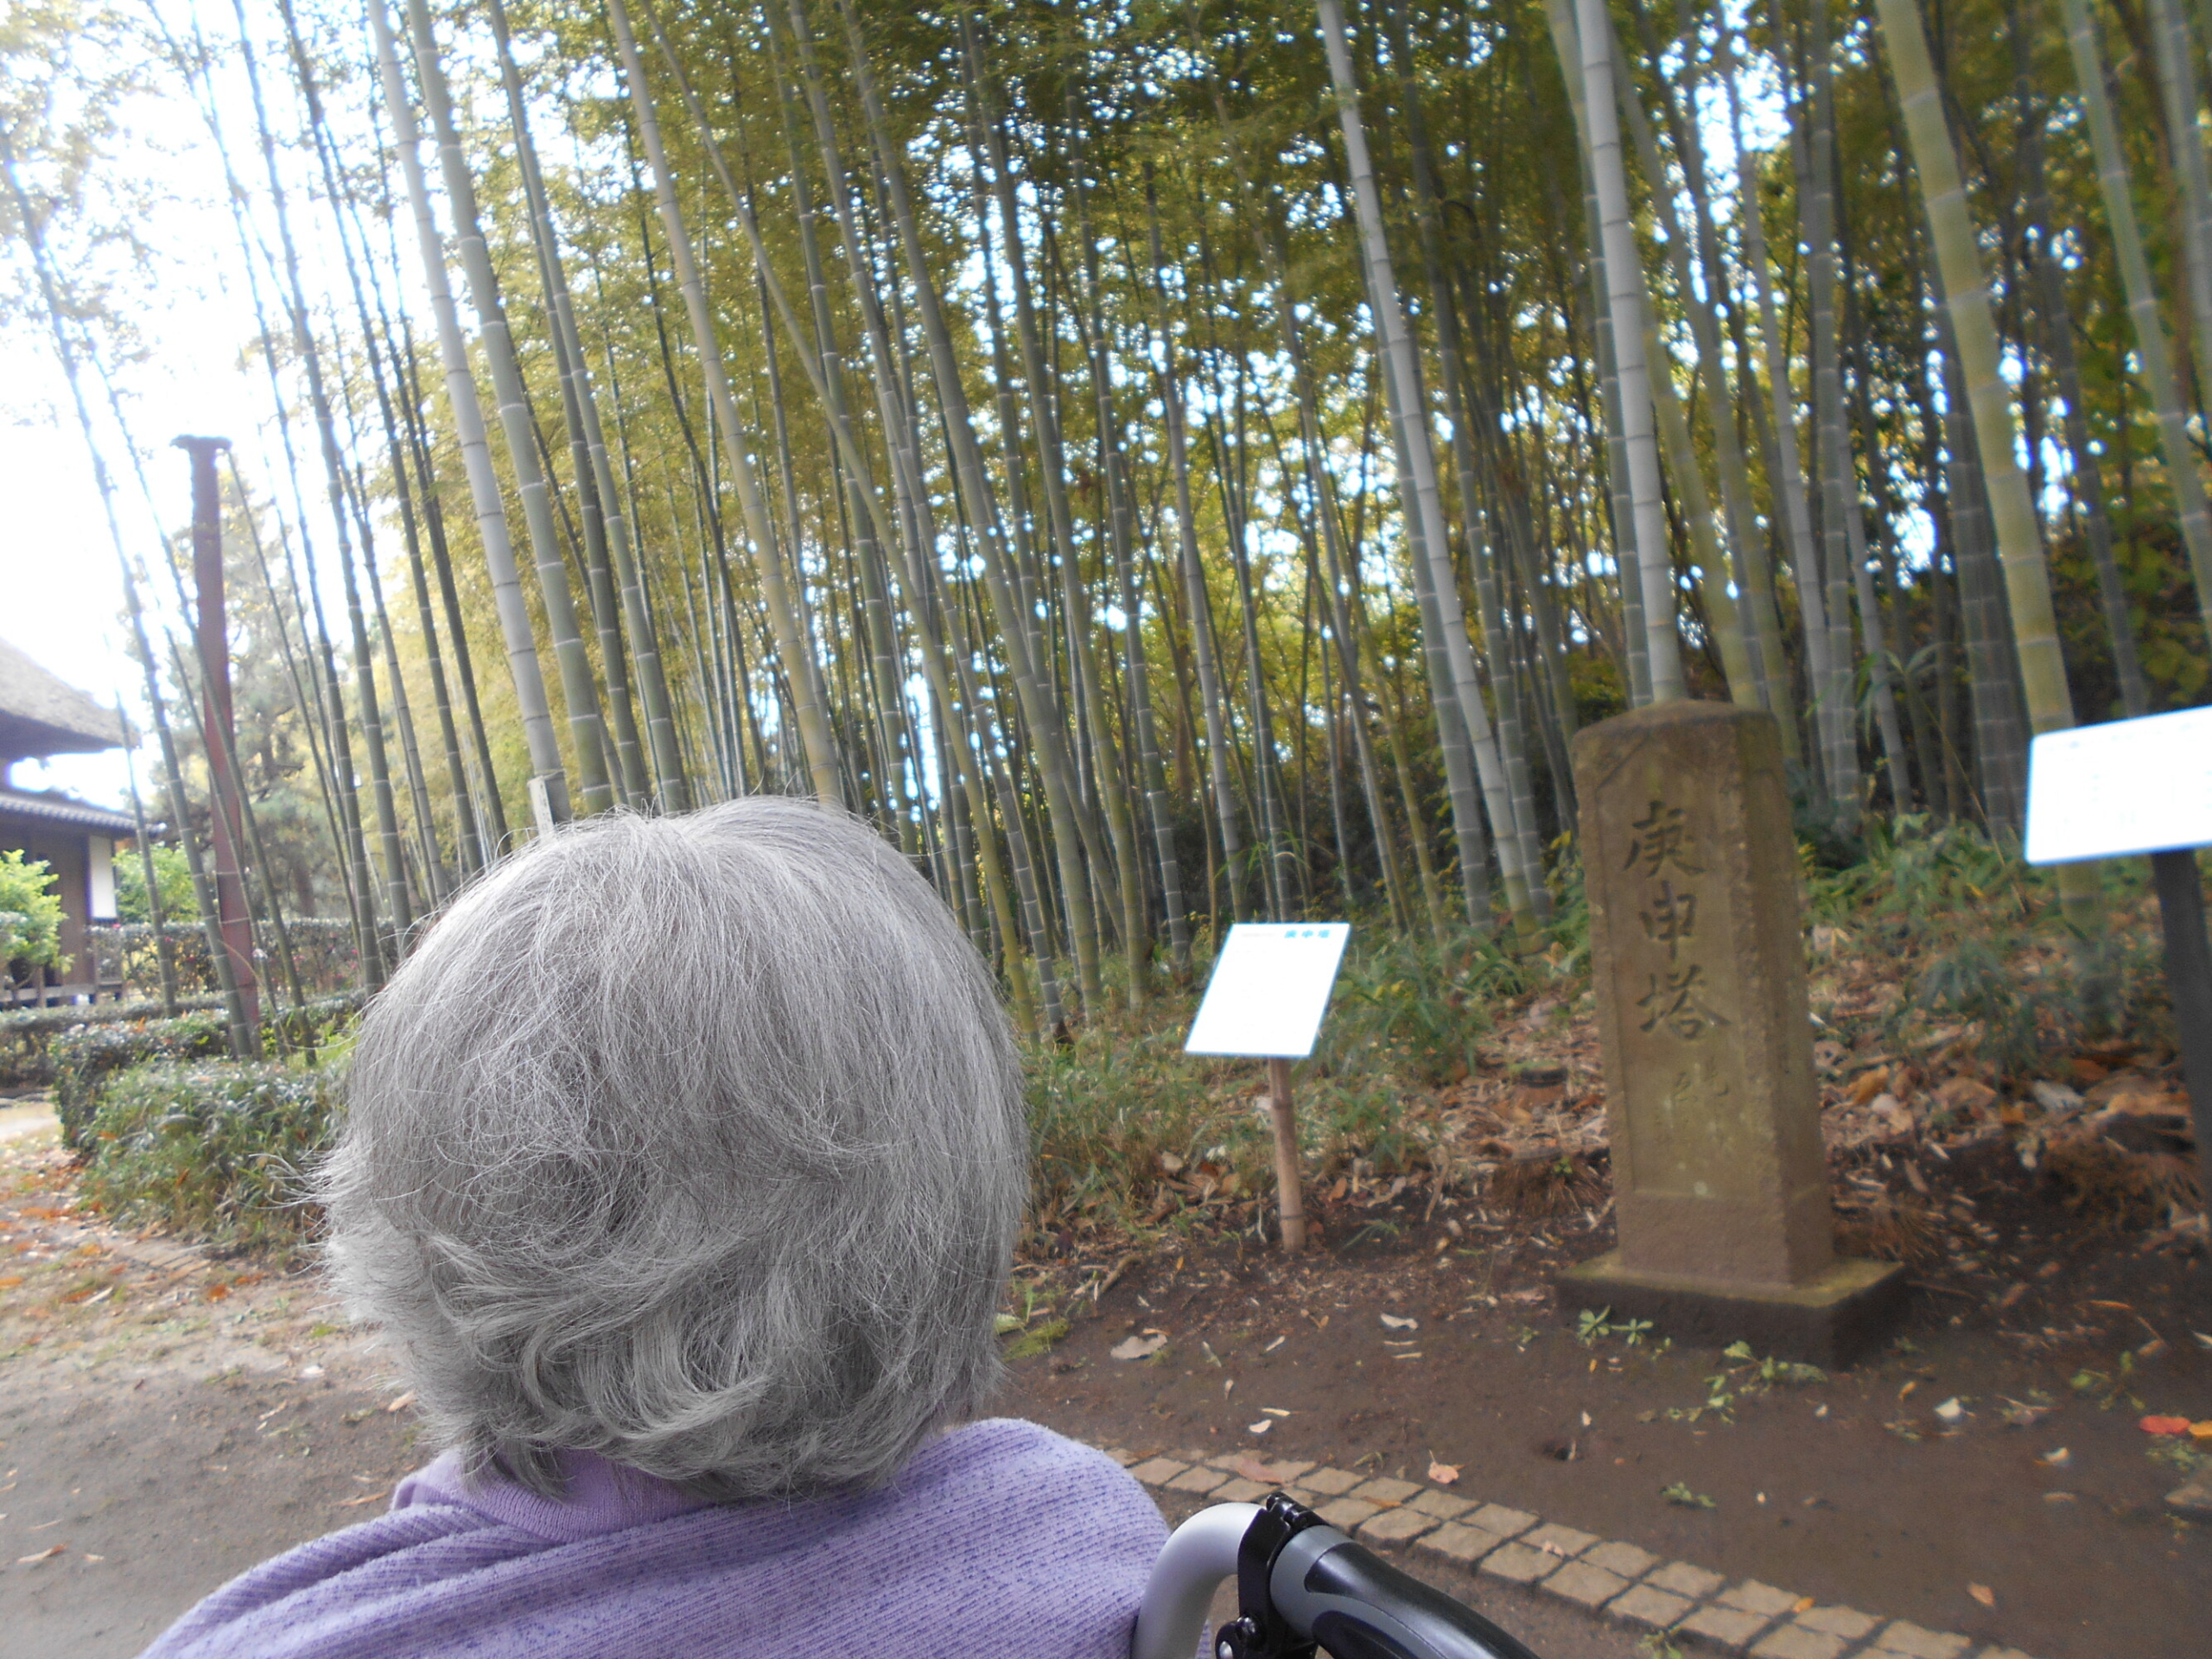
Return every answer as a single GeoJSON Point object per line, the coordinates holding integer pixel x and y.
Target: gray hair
{"type": "Point", "coordinates": [696, 1142]}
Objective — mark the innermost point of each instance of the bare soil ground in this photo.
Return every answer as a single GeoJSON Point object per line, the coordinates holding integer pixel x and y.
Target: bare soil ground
{"type": "Point", "coordinates": [1995, 1445]}
{"type": "Point", "coordinates": [167, 1418]}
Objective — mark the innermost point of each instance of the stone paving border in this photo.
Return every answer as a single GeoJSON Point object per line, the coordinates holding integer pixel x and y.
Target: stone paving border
{"type": "Point", "coordinates": [1621, 1581]}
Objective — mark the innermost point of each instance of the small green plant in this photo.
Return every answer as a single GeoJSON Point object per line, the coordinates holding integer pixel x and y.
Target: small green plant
{"type": "Point", "coordinates": [1031, 1337]}
{"type": "Point", "coordinates": [1593, 1323]}
{"type": "Point", "coordinates": [1770, 1371]}
{"type": "Point", "coordinates": [1679, 1494]}
{"type": "Point", "coordinates": [1037, 1340]}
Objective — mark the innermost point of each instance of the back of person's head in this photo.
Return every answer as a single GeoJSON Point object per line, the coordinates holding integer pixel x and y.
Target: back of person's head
{"type": "Point", "coordinates": [696, 1142]}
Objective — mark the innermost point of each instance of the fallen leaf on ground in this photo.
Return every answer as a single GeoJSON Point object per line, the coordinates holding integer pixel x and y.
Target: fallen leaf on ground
{"type": "Point", "coordinates": [1138, 1347]}
{"type": "Point", "coordinates": [1443, 1474]}
{"type": "Point", "coordinates": [1260, 1428]}
{"type": "Point", "coordinates": [2201, 1432]}
{"type": "Point", "coordinates": [402, 1402]}
{"type": "Point", "coordinates": [365, 1498]}
{"type": "Point", "coordinates": [1396, 1323]}
{"type": "Point", "coordinates": [2164, 1426]}
{"type": "Point", "coordinates": [1802, 1605]}
{"type": "Point", "coordinates": [1866, 1085]}
{"type": "Point", "coordinates": [1982, 1593]}
{"type": "Point", "coordinates": [2056, 1459]}
{"type": "Point", "coordinates": [1950, 1411]}
{"type": "Point", "coordinates": [46, 1554]}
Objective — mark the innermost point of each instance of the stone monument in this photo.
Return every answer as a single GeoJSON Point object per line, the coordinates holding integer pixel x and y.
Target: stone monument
{"type": "Point", "coordinates": [1719, 1180]}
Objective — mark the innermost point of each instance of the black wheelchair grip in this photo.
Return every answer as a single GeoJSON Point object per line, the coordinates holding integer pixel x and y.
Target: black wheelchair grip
{"type": "Point", "coordinates": [1361, 1607]}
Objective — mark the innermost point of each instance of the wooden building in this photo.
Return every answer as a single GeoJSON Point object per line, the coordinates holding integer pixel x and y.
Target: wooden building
{"type": "Point", "coordinates": [43, 716]}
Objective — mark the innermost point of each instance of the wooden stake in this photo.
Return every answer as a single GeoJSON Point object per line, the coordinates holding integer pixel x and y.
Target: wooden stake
{"type": "Point", "coordinates": [2188, 982]}
{"type": "Point", "coordinates": [1286, 1189]}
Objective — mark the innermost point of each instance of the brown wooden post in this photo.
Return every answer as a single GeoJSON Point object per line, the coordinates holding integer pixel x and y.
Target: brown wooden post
{"type": "Point", "coordinates": [1288, 1196]}
{"type": "Point", "coordinates": [217, 727]}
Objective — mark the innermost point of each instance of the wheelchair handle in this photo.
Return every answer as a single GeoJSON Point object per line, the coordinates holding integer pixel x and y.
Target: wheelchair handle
{"type": "Point", "coordinates": [1300, 1582]}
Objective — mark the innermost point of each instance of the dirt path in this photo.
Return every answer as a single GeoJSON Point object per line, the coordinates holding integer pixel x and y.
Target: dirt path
{"type": "Point", "coordinates": [167, 1418]}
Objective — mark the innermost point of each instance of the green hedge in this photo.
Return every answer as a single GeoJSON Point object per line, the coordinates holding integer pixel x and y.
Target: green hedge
{"type": "Point", "coordinates": [27, 1035]}
{"type": "Point", "coordinates": [84, 1060]}
{"type": "Point", "coordinates": [81, 1061]}
{"type": "Point", "coordinates": [217, 1151]}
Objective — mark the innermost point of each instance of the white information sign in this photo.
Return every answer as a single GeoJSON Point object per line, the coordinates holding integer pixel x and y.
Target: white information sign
{"type": "Point", "coordinates": [1270, 988]}
{"type": "Point", "coordinates": [2128, 786]}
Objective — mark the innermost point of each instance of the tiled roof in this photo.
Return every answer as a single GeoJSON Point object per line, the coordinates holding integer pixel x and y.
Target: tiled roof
{"type": "Point", "coordinates": [64, 811]}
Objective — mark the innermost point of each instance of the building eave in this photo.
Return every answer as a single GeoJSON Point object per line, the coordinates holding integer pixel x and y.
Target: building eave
{"type": "Point", "coordinates": [57, 812]}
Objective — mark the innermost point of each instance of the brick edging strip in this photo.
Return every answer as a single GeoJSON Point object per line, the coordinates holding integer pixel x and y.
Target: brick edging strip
{"type": "Point", "coordinates": [1619, 1579]}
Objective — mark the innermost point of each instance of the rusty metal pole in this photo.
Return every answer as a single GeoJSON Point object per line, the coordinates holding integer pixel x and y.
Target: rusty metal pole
{"type": "Point", "coordinates": [226, 819]}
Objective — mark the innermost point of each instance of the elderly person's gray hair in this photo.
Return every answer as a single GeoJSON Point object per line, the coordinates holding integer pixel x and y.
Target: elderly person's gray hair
{"type": "Point", "coordinates": [696, 1142]}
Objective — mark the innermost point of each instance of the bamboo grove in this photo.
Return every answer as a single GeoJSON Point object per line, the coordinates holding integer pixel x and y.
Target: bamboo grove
{"type": "Point", "coordinates": [1170, 462]}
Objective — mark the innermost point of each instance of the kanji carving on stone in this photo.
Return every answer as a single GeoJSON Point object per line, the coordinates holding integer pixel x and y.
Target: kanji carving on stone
{"type": "Point", "coordinates": [1674, 1002]}
{"type": "Point", "coordinates": [1662, 838]}
{"type": "Point", "coordinates": [1670, 918]}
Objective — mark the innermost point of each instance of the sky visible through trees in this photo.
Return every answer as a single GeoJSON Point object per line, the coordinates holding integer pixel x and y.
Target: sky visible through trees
{"type": "Point", "coordinates": [1163, 463]}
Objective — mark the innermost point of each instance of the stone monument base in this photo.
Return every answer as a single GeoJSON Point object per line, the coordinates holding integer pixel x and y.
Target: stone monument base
{"type": "Point", "coordinates": [1829, 1321]}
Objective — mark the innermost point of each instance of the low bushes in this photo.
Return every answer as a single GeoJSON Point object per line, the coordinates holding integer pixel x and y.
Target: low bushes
{"type": "Point", "coordinates": [27, 1035]}
{"type": "Point", "coordinates": [1128, 1131]}
{"type": "Point", "coordinates": [81, 1060]}
{"type": "Point", "coordinates": [84, 1060]}
{"type": "Point", "coordinates": [217, 1151]}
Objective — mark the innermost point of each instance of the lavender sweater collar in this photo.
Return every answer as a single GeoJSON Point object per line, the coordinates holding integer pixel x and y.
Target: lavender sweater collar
{"type": "Point", "coordinates": [601, 1496]}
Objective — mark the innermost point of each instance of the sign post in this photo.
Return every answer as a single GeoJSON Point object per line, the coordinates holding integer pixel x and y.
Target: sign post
{"type": "Point", "coordinates": [1270, 988]}
{"type": "Point", "coordinates": [2142, 786]}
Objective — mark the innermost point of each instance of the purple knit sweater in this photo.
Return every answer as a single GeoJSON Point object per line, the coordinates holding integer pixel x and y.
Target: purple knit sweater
{"type": "Point", "coordinates": [1001, 1538]}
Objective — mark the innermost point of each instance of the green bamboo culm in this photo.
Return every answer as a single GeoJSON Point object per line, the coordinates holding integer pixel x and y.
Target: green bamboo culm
{"type": "Point", "coordinates": [2019, 539]}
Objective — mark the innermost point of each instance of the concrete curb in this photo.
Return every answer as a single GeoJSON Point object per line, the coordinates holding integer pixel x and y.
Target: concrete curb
{"type": "Point", "coordinates": [1676, 1599]}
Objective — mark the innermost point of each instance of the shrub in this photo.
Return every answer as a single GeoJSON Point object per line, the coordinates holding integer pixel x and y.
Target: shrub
{"type": "Point", "coordinates": [172, 878]}
{"type": "Point", "coordinates": [27, 1035]}
{"type": "Point", "coordinates": [1405, 1004]}
{"type": "Point", "coordinates": [312, 1025]}
{"type": "Point", "coordinates": [217, 1151]}
{"type": "Point", "coordinates": [84, 1060]}
{"type": "Point", "coordinates": [30, 915]}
